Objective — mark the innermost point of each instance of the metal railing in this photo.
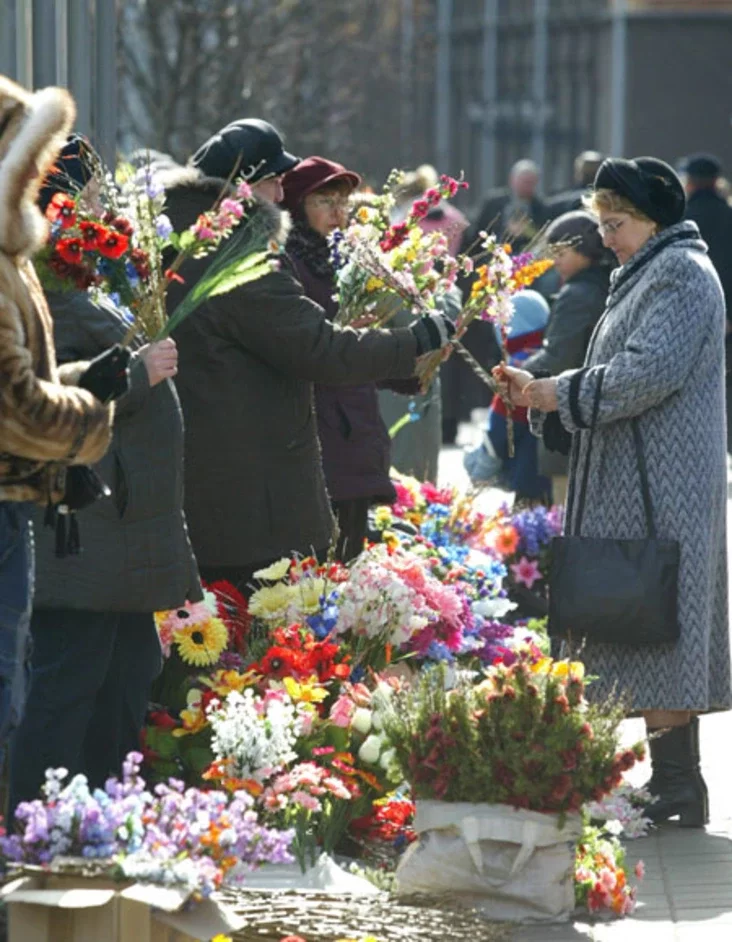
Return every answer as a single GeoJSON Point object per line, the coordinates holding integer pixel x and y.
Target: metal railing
{"type": "Point", "coordinates": [71, 43]}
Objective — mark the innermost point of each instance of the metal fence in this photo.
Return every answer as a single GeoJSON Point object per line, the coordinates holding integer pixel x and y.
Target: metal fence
{"type": "Point", "coordinates": [528, 78]}
{"type": "Point", "coordinates": [71, 43]}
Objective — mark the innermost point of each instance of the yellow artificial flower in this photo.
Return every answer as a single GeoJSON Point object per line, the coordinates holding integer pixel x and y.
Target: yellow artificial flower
{"type": "Point", "coordinates": [542, 666]}
{"type": "Point", "coordinates": [567, 669]}
{"type": "Point", "coordinates": [201, 644]}
{"type": "Point", "coordinates": [373, 284]}
{"type": "Point", "coordinates": [309, 691]}
{"type": "Point", "coordinates": [222, 938]}
{"type": "Point", "coordinates": [390, 538]}
{"type": "Point", "coordinates": [223, 682]}
{"type": "Point", "coordinates": [383, 516]}
{"type": "Point", "coordinates": [193, 717]}
{"type": "Point", "coordinates": [309, 593]}
{"type": "Point", "coordinates": [271, 602]}
{"type": "Point", "coordinates": [276, 571]}
{"type": "Point", "coordinates": [364, 214]}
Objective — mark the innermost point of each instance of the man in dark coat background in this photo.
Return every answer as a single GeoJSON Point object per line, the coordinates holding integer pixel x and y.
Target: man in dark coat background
{"type": "Point", "coordinates": [713, 215]}
{"type": "Point", "coordinates": [586, 166]}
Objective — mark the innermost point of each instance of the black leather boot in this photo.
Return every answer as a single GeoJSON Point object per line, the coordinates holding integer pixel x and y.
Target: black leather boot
{"type": "Point", "coordinates": [677, 780]}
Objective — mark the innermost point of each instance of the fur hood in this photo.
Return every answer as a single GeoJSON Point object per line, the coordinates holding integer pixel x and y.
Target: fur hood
{"type": "Point", "coordinates": [273, 223]}
{"type": "Point", "coordinates": [33, 128]}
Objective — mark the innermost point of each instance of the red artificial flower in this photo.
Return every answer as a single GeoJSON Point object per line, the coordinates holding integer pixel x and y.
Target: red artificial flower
{"type": "Point", "coordinates": [233, 610]}
{"type": "Point", "coordinates": [91, 234]}
{"type": "Point", "coordinates": [282, 662]}
{"type": "Point", "coordinates": [113, 244]}
{"type": "Point", "coordinates": [170, 275]}
{"type": "Point", "coordinates": [70, 250]}
{"type": "Point", "coordinates": [420, 208]}
{"type": "Point", "coordinates": [61, 209]}
{"type": "Point", "coordinates": [394, 236]}
{"type": "Point", "coordinates": [162, 719]}
{"type": "Point", "coordinates": [122, 225]}
{"type": "Point", "coordinates": [141, 262]}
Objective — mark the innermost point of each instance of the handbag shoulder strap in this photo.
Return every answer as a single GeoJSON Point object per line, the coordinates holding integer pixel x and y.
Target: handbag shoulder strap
{"type": "Point", "coordinates": [577, 523]}
{"type": "Point", "coordinates": [643, 474]}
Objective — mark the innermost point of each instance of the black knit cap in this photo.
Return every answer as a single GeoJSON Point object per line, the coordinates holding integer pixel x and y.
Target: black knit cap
{"type": "Point", "coordinates": [73, 169]}
{"type": "Point", "coordinates": [651, 185]}
{"type": "Point", "coordinates": [578, 230]}
{"type": "Point", "coordinates": [250, 148]}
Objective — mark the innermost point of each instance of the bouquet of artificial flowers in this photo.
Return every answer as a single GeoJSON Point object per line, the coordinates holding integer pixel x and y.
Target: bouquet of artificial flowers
{"type": "Point", "coordinates": [382, 267]}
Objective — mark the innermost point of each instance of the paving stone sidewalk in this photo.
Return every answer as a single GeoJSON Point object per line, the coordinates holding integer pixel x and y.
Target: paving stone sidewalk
{"type": "Point", "coordinates": [686, 895]}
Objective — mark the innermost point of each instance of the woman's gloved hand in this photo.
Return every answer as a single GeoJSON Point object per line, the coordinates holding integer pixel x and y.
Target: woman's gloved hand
{"type": "Point", "coordinates": [432, 333]}
{"type": "Point", "coordinates": [107, 376]}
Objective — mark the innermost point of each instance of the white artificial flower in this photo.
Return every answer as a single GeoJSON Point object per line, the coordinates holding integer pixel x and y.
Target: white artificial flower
{"type": "Point", "coordinates": [362, 720]}
{"type": "Point", "coordinates": [370, 750]}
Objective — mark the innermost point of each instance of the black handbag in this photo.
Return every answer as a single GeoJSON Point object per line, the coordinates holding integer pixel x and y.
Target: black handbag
{"type": "Point", "coordinates": [83, 488]}
{"type": "Point", "coordinates": [614, 591]}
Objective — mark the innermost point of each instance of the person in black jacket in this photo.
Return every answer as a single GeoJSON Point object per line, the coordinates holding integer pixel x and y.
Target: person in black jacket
{"type": "Point", "coordinates": [710, 211]}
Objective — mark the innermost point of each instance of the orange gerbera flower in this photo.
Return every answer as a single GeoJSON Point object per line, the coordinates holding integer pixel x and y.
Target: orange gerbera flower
{"type": "Point", "coordinates": [507, 540]}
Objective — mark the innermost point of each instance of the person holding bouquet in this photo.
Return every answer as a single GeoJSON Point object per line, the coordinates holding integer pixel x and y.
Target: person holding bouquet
{"type": "Point", "coordinates": [255, 489]}
{"type": "Point", "coordinates": [353, 438]}
{"type": "Point", "coordinates": [50, 419]}
{"type": "Point", "coordinates": [654, 378]}
{"type": "Point", "coordinates": [95, 645]}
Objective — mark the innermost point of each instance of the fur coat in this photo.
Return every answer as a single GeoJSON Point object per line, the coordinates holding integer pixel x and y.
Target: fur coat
{"type": "Point", "coordinates": [44, 425]}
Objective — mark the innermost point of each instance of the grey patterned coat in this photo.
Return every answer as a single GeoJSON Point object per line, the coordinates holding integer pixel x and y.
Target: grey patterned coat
{"type": "Point", "coordinates": [662, 343]}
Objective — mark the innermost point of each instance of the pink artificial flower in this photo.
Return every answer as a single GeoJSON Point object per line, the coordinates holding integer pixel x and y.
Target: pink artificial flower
{"type": "Point", "coordinates": [420, 208]}
{"type": "Point", "coordinates": [608, 879]}
{"type": "Point", "coordinates": [433, 196]}
{"type": "Point", "coordinates": [243, 190]}
{"type": "Point", "coordinates": [232, 208]}
{"type": "Point", "coordinates": [308, 802]}
{"type": "Point", "coordinates": [203, 231]}
{"type": "Point", "coordinates": [640, 870]}
{"type": "Point", "coordinates": [468, 265]}
{"type": "Point", "coordinates": [526, 571]}
{"type": "Point", "coordinates": [323, 751]}
{"type": "Point", "coordinates": [342, 712]}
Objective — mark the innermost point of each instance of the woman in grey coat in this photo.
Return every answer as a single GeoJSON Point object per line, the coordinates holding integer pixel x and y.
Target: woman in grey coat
{"type": "Point", "coordinates": [661, 345]}
{"type": "Point", "coordinates": [95, 645]}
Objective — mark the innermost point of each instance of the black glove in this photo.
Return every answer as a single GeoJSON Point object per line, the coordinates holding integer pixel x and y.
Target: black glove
{"type": "Point", "coordinates": [432, 333]}
{"type": "Point", "coordinates": [107, 376]}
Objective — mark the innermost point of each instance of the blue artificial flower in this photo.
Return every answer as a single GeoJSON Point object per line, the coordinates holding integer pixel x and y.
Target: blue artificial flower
{"type": "Point", "coordinates": [357, 674]}
{"type": "Point", "coordinates": [163, 226]}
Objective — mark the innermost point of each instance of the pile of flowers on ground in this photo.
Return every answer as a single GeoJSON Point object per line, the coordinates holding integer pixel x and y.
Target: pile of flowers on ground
{"type": "Point", "coordinates": [193, 839]}
{"type": "Point", "coordinates": [601, 878]}
{"type": "Point", "coordinates": [336, 696]}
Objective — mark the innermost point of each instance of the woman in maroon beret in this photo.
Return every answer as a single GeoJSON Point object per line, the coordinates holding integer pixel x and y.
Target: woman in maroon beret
{"type": "Point", "coordinates": [353, 437]}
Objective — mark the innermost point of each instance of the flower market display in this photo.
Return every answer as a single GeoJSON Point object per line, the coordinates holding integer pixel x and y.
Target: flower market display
{"type": "Point", "coordinates": [196, 840]}
{"type": "Point", "coordinates": [340, 698]}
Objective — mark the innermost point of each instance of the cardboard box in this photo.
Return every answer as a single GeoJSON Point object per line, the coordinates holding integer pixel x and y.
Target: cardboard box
{"type": "Point", "coordinates": [47, 907]}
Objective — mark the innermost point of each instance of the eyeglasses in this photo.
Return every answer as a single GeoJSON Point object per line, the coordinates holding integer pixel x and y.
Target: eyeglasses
{"type": "Point", "coordinates": [338, 203]}
{"type": "Point", "coordinates": [611, 227]}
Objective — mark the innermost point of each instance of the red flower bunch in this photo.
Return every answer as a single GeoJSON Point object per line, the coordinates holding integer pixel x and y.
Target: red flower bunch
{"type": "Point", "coordinates": [297, 654]}
{"type": "Point", "coordinates": [233, 610]}
{"type": "Point", "coordinates": [88, 251]}
{"type": "Point", "coordinates": [390, 821]}
{"type": "Point", "coordinates": [394, 236]}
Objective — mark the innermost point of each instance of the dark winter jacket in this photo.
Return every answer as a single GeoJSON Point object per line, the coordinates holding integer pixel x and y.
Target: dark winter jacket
{"type": "Point", "coordinates": [714, 217]}
{"type": "Point", "coordinates": [575, 311]}
{"type": "Point", "coordinates": [254, 482]}
{"type": "Point", "coordinates": [353, 438]}
{"type": "Point", "coordinates": [136, 555]}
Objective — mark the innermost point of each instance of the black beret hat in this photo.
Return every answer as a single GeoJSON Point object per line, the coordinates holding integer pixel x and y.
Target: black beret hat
{"type": "Point", "coordinates": [251, 147]}
{"type": "Point", "coordinates": [651, 185]}
{"type": "Point", "coordinates": [703, 166]}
